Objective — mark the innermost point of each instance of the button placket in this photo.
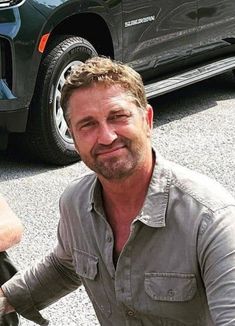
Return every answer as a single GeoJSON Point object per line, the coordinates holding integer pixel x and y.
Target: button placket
{"type": "Point", "coordinates": [122, 281]}
{"type": "Point", "coordinates": [123, 274]}
{"type": "Point", "coordinates": [107, 250]}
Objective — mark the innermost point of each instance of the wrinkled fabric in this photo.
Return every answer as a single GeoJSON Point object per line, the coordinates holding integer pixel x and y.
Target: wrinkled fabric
{"type": "Point", "coordinates": [177, 267]}
{"type": "Point", "coordinates": [7, 270]}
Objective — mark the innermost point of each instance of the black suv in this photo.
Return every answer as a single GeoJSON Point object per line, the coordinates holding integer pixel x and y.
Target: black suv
{"type": "Point", "coordinates": [172, 43]}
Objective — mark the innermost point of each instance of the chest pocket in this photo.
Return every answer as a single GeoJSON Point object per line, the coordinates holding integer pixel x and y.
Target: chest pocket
{"type": "Point", "coordinates": [86, 267]}
{"type": "Point", "coordinates": [170, 286]}
{"type": "Point", "coordinates": [174, 296]}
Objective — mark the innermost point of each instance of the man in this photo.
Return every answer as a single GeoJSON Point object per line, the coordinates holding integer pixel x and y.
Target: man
{"type": "Point", "coordinates": [152, 242]}
{"type": "Point", "coordinates": [10, 234]}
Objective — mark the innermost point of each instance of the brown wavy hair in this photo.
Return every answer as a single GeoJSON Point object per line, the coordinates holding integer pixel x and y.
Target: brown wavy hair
{"type": "Point", "coordinates": [108, 72]}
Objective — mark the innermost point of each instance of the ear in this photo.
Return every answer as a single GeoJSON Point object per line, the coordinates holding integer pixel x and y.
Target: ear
{"type": "Point", "coordinates": [149, 118]}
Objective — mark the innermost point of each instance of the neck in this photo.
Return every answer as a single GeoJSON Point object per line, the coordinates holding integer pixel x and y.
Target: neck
{"type": "Point", "coordinates": [123, 200]}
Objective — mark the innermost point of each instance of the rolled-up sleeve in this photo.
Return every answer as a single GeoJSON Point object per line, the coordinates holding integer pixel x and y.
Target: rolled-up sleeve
{"type": "Point", "coordinates": [216, 253]}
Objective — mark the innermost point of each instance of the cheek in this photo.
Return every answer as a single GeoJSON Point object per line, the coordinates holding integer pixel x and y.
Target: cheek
{"type": "Point", "coordinates": [140, 129]}
{"type": "Point", "coordinates": [133, 130]}
{"type": "Point", "coordinates": [148, 131]}
{"type": "Point", "coordinates": [146, 128]}
{"type": "Point", "coordinates": [83, 143]}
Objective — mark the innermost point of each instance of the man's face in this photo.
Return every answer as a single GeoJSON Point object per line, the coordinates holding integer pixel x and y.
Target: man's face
{"type": "Point", "coordinates": [111, 134]}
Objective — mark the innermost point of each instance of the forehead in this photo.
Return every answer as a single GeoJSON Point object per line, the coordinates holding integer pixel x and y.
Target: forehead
{"type": "Point", "coordinates": [98, 98]}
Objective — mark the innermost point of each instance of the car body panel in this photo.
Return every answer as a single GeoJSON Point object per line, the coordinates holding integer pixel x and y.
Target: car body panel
{"type": "Point", "coordinates": [216, 21]}
{"type": "Point", "coordinates": [158, 32]}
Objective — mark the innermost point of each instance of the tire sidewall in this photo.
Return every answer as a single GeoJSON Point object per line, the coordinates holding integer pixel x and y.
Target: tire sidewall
{"type": "Point", "coordinates": [79, 51]}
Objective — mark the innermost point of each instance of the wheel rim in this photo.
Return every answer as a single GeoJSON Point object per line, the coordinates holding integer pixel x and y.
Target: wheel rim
{"type": "Point", "coordinates": [60, 122]}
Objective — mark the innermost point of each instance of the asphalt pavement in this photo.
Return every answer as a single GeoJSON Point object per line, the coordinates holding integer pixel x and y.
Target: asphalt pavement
{"type": "Point", "coordinates": [194, 126]}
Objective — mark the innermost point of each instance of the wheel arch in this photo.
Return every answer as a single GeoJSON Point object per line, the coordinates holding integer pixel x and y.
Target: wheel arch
{"type": "Point", "coordinates": [90, 26]}
{"type": "Point", "coordinates": [78, 25]}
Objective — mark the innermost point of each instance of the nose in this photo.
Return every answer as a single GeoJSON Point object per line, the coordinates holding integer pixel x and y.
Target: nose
{"type": "Point", "coordinates": [106, 134]}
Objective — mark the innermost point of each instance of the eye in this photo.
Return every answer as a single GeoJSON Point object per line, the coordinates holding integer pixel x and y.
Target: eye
{"type": "Point", "coordinates": [119, 117]}
{"type": "Point", "coordinates": [87, 125]}
{"type": "Point", "coordinates": [116, 116]}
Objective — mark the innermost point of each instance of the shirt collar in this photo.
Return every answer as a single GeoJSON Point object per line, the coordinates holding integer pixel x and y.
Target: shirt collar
{"type": "Point", "coordinates": [153, 213]}
{"type": "Point", "coordinates": [95, 196]}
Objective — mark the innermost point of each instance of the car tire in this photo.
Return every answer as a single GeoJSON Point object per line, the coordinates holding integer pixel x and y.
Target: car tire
{"type": "Point", "coordinates": [47, 134]}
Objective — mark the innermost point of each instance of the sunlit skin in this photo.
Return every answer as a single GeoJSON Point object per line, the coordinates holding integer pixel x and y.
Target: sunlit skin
{"type": "Point", "coordinates": [112, 136]}
{"type": "Point", "coordinates": [110, 132]}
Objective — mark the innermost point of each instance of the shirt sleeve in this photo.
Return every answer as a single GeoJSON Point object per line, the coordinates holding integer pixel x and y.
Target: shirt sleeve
{"type": "Point", "coordinates": [42, 284]}
{"type": "Point", "coordinates": [216, 253]}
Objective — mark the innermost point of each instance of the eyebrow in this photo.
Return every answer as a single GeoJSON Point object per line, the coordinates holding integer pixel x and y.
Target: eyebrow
{"type": "Point", "coordinates": [113, 111]}
{"type": "Point", "coordinates": [118, 110]}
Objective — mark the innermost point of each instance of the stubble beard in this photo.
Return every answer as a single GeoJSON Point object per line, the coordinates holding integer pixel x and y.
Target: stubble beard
{"type": "Point", "coordinates": [117, 168]}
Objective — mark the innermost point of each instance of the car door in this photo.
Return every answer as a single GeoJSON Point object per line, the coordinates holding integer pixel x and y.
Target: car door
{"type": "Point", "coordinates": [216, 25]}
{"type": "Point", "coordinates": [156, 32]}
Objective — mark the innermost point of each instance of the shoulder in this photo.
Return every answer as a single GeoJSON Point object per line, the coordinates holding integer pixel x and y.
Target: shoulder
{"type": "Point", "coordinates": [200, 187]}
{"type": "Point", "coordinates": [79, 189]}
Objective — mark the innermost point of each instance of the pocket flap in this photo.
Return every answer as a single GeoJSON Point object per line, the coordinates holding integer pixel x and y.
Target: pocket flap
{"type": "Point", "coordinates": [85, 264]}
{"type": "Point", "coordinates": [170, 286]}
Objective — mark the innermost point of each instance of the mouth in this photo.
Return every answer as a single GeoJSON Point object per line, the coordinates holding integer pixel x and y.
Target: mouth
{"type": "Point", "coordinates": [110, 151]}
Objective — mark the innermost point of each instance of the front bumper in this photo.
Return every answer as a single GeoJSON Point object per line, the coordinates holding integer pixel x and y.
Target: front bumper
{"type": "Point", "coordinates": [13, 121]}
{"type": "Point", "coordinates": [12, 117]}
{"type": "Point", "coordinates": [19, 63]}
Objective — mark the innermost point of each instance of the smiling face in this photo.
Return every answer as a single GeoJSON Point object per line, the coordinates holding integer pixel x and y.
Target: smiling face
{"type": "Point", "coordinates": [111, 134]}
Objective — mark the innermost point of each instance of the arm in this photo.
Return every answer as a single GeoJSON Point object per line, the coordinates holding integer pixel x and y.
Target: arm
{"type": "Point", "coordinates": [10, 226]}
{"type": "Point", "coordinates": [216, 253]}
{"type": "Point", "coordinates": [42, 284]}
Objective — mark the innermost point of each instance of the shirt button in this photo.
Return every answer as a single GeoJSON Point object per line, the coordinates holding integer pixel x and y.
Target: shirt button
{"type": "Point", "coordinates": [109, 239]}
{"type": "Point", "coordinates": [171, 293]}
{"type": "Point", "coordinates": [131, 313]}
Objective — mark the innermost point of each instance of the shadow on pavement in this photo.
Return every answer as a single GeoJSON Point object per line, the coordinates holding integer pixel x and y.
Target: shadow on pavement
{"type": "Point", "coordinates": [193, 99]}
{"type": "Point", "coordinates": [12, 160]}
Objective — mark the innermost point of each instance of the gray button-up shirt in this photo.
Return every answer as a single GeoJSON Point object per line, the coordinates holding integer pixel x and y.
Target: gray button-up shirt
{"type": "Point", "coordinates": [177, 267]}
